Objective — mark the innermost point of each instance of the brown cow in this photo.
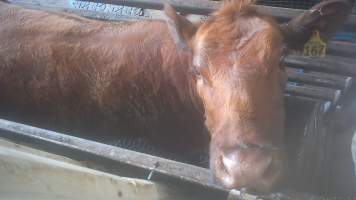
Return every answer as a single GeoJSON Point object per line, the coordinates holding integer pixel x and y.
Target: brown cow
{"type": "Point", "coordinates": [163, 81]}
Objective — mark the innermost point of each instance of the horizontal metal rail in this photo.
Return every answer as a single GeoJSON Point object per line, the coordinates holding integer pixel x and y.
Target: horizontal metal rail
{"type": "Point", "coordinates": [164, 171]}
{"type": "Point", "coordinates": [314, 92]}
{"type": "Point", "coordinates": [24, 133]}
{"type": "Point", "coordinates": [331, 64]}
{"type": "Point", "coordinates": [319, 79]}
{"type": "Point", "coordinates": [341, 49]}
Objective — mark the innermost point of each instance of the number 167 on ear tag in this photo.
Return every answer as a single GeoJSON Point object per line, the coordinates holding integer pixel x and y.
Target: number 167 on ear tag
{"type": "Point", "coordinates": [315, 47]}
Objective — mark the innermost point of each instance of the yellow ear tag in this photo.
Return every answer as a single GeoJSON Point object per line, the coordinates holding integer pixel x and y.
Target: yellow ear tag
{"type": "Point", "coordinates": [315, 47]}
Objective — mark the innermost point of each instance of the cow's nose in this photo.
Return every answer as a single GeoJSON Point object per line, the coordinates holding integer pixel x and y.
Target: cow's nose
{"type": "Point", "coordinates": [251, 168]}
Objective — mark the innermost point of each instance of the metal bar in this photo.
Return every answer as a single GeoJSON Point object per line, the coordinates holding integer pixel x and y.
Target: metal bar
{"type": "Point", "coordinates": [165, 171]}
{"type": "Point", "coordinates": [195, 174]}
{"type": "Point", "coordinates": [319, 79]}
{"type": "Point", "coordinates": [333, 64]}
{"type": "Point", "coordinates": [73, 147]}
{"type": "Point", "coordinates": [314, 92]}
{"type": "Point", "coordinates": [291, 98]}
{"type": "Point", "coordinates": [302, 99]}
{"type": "Point", "coordinates": [204, 7]}
{"type": "Point", "coordinates": [347, 49]}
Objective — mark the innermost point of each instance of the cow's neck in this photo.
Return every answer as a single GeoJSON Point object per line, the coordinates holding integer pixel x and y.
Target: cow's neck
{"type": "Point", "coordinates": [158, 88]}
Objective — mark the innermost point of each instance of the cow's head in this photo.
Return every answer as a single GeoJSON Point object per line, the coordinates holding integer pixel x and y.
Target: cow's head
{"type": "Point", "coordinates": [236, 56]}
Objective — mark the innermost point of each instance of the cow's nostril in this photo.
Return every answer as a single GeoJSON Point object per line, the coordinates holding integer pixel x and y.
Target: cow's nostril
{"type": "Point", "coordinates": [245, 168]}
{"type": "Point", "coordinates": [224, 171]}
{"type": "Point", "coordinates": [253, 167]}
{"type": "Point", "coordinates": [229, 162]}
{"type": "Point", "coordinates": [269, 171]}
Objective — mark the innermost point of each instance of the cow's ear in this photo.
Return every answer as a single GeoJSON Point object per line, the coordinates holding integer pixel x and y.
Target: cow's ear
{"type": "Point", "coordinates": [181, 29]}
{"type": "Point", "coordinates": [326, 17]}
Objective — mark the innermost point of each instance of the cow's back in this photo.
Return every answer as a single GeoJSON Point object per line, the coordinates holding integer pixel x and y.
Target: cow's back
{"type": "Point", "coordinates": [33, 48]}
{"type": "Point", "coordinates": [60, 70]}
{"type": "Point", "coordinates": [55, 67]}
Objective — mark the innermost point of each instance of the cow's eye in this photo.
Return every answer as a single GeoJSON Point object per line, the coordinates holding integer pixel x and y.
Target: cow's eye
{"type": "Point", "coordinates": [200, 77]}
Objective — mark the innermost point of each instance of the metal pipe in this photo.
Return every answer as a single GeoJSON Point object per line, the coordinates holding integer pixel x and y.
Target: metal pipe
{"type": "Point", "coordinates": [314, 92]}
{"type": "Point", "coordinates": [333, 64]}
{"type": "Point", "coordinates": [319, 79]}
